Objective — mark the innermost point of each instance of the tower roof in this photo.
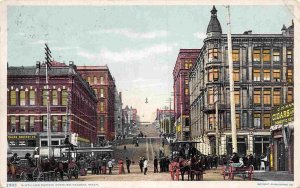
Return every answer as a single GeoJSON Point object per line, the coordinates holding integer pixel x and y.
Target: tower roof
{"type": "Point", "coordinates": [214, 24]}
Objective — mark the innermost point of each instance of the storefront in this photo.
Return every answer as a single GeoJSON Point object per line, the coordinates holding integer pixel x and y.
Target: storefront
{"type": "Point", "coordinates": [22, 144]}
{"type": "Point", "coordinates": [282, 131]}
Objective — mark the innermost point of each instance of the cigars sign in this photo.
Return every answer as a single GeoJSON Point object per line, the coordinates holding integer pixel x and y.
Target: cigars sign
{"type": "Point", "coordinates": [283, 114]}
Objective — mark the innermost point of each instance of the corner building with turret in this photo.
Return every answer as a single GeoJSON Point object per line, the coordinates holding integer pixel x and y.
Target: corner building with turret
{"type": "Point", "coordinates": [263, 79]}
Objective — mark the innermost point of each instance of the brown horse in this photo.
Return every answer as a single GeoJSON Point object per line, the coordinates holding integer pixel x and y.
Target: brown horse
{"type": "Point", "coordinates": [185, 167]}
{"type": "Point", "coordinates": [11, 170]}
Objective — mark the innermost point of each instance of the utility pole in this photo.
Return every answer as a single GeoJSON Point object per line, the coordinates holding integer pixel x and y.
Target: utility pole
{"type": "Point", "coordinates": [232, 102]}
{"type": "Point", "coordinates": [48, 65]}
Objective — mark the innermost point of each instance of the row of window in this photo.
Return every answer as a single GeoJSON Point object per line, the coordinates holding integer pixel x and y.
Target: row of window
{"type": "Point", "coordinates": [101, 92]}
{"type": "Point", "coordinates": [31, 100]}
{"type": "Point", "coordinates": [258, 120]}
{"type": "Point", "coordinates": [258, 96]}
{"type": "Point", "coordinates": [188, 64]}
{"type": "Point", "coordinates": [258, 55]}
{"type": "Point", "coordinates": [213, 75]}
{"type": "Point", "coordinates": [29, 127]}
{"type": "Point", "coordinates": [95, 80]}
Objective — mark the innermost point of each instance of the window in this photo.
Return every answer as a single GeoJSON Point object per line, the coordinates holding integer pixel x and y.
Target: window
{"type": "Point", "coordinates": [213, 74]}
{"type": "Point", "coordinates": [31, 123]}
{"type": "Point", "coordinates": [44, 120]}
{"type": "Point", "coordinates": [211, 121]}
{"type": "Point", "coordinates": [237, 121]}
{"type": "Point", "coordinates": [256, 75]}
{"type": "Point", "coordinates": [267, 75]}
{"type": "Point", "coordinates": [31, 97]}
{"type": "Point", "coordinates": [257, 121]}
{"type": "Point", "coordinates": [210, 96]}
{"type": "Point", "coordinates": [64, 123]}
{"type": "Point", "coordinates": [235, 55]}
{"type": "Point", "coordinates": [22, 98]}
{"type": "Point", "coordinates": [101, 92]}
{"type": "Point", "coordinates": [186, 91]}
{"type": "Point", "coordinates": [89, 80]}
{"type": "Point", "coordinates": [290, 96]}
{"type": "Point", "coordinates": [13, 98]}
{"type": "Point", "coordinates": [13, 124]}
{"type": "Point", "coordinates": [276, 97]}
{"type": "Point", "coordinates": [237, 97]}
{"type": "Point", "coordinates": [212, 54]}
{"type": "Point", "coordinates": [236, 75]}
{"type": "Point", "coordinates": [276, 56]}
{"type": "Point", "coordinates": [22, 124]}
{"type": "Point", "coordinates": [54, 98]}
{"type": "Point", "coordinates": [257, 95]}
{"type": "Point", "coordinates": [267, 120]}
{"type": "Point", "coordinates": [54, 124]}
{"type": "Point", "coordinates": [186, 66]}
{"type": "Point", "coordinates": [101, 122]}
{"type": "Point", "coordinates": [190, 65]}
{"type": "Point", "coordinates": [101, 80]}
{"type": "Point", "coordinates": [290, 75]}
{"type": "Point", "coordinates": [256, 55]}
{"type": "Point", "coordinates": [266, 56]}
{"type": "Point", "coordinates": [101, 106]}
{"type": "Point", "coordinates": [276, 75]}
{"type": "Point", "coordinates": [267, 97]}
{"type": "Point", "coordinates": [64, 97]}
{"type": "Point", "coordinates": [44, 98]}
{"type": "Point", "coordinates": [95, 91]}
{"type": "Point", "coordinates": [95, 80]}
{"type": "Point", "coordinates": [290, 56]}
{"type": "Point", "coordinates": [186, 81]}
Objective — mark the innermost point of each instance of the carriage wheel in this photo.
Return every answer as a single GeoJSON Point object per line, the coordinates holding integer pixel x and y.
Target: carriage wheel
{"type": "Point", "coordinates": [23, 176]}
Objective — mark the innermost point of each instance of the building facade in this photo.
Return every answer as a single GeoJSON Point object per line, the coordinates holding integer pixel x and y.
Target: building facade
{"type": "Point", "coordinates": [27, 106]}
{"type": "Point", "coordinates": [103, 84]}
{"type": "Point", "coordinates": [118, 115]}
{"type": "Point", "coordinates": [130, 120]}
{"type": "Point", "coordinates": [165, 119]}
{"type": "Point", "coordinates": [263, 79]}
{"type": "Point", "coordinates": [186, 58]}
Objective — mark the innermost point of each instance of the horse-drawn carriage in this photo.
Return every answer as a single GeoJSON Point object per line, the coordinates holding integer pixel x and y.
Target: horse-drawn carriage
{"type": "Point", "coordinates": [237, 169]}
{"type": "Point", "coordinates": [186, 160]}
{"type": "Point", "coordinates": [21, 170]}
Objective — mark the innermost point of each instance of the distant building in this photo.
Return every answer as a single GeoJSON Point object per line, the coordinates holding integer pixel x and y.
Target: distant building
{"type": "Point", "coordinates": [165, 119]}
{"type": "Point", "coordinates": [27, 107]}
{"type": "Point", "coordinates": [263, 79]}
{"type": "Point", "coordinates": [102, 82]}
{"type": "Point", "coordinates": [185, 60]}
{"type": "Point", "coordinates": [118, 114]}
{"type": "Point", "coordinates": [130, 119]}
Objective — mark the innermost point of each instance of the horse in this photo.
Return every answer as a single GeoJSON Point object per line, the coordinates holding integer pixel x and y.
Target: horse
{"type": "Point", "coordinates": [11, 170]}
{"type": "Point", "coordinates": [185, 166]}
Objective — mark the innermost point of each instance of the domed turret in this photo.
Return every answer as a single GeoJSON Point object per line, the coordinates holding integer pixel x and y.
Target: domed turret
{"type": "Point", "coordinates": [214, 27]}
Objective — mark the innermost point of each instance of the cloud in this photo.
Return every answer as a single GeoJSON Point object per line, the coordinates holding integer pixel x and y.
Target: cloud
{"type": "Point", "coordinates": [200, 35]}
{"type": "Point", "coordinates": [129, 55]}
{"type": "Point", "coordinates": [42, 42]}
{"type": "Point", "coordinates": [133, 35]}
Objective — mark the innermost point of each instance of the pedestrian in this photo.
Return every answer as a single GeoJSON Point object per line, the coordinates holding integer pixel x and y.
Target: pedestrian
{"type": "Point", "coordinates": [216, 161]}
{"type": "Point", "coordinates": [141, 164]}
{"type": "Point", "coordinates": [155, 164]}
{"type": "Point", "coordinates": [161, 165]}
{"type": "Point", "coordinates": [128, 163]}
{"type": "Point", "coordinates": [145, 166]}
{"type": "Point", "coordinates": [124, 147]}
{"type": "Point", "coordinates": [250, 160]}
{"type": "Point", "coordinates": [100, 165]}
{"type": "Point", "coordinates": [93, 164]}
{"type": "Point", "coordinates": [97, 166]}
{"type": "Point", "coordinates": [110, 166]}
{"type": "Point", "coordinates": [235, 158]}
{"type": "Point", "coordinates": [167, 164]}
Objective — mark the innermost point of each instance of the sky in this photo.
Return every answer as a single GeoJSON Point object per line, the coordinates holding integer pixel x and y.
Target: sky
{"type": "Point", "coordinates": [139, 44]}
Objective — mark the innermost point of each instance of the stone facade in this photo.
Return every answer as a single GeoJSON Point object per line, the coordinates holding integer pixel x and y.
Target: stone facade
{"type": "Point", "coordinates": [263, 79]}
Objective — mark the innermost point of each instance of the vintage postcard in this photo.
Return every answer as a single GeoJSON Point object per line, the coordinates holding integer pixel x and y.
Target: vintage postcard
{"type": "Point", "coordinates": [143, 94]}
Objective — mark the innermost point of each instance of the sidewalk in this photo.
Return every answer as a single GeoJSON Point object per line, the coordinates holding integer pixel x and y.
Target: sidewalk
{"type": "Point", "coordinates": [273, 176]}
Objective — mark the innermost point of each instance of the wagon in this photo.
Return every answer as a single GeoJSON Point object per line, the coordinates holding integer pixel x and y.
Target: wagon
{"type": "Point", "coordinates": [236, 169]}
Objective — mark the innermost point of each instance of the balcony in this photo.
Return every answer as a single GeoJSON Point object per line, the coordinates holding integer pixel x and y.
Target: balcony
{"type": "Point", "coordinates": [212, 107]}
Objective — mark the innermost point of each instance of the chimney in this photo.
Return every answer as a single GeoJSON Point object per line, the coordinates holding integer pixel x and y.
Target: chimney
{"type": "Point", "coordinates": [37, 67]}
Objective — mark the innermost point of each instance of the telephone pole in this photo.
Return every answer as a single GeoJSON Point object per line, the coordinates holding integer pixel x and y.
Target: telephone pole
{"type": "Point", "coordinates": [48, 65]}
{"type": "Point", "coordinates": [232, 102]}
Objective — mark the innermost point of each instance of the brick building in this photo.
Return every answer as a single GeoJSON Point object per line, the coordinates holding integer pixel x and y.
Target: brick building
{"type": "Point", "coordinates": [186, 58]}
{"type": "Point", "coordinates": [263, 79]}
{"type": "Point", "coordinates": [102, 82]}
{"type": "Point", "coordinates": [27, 106]}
